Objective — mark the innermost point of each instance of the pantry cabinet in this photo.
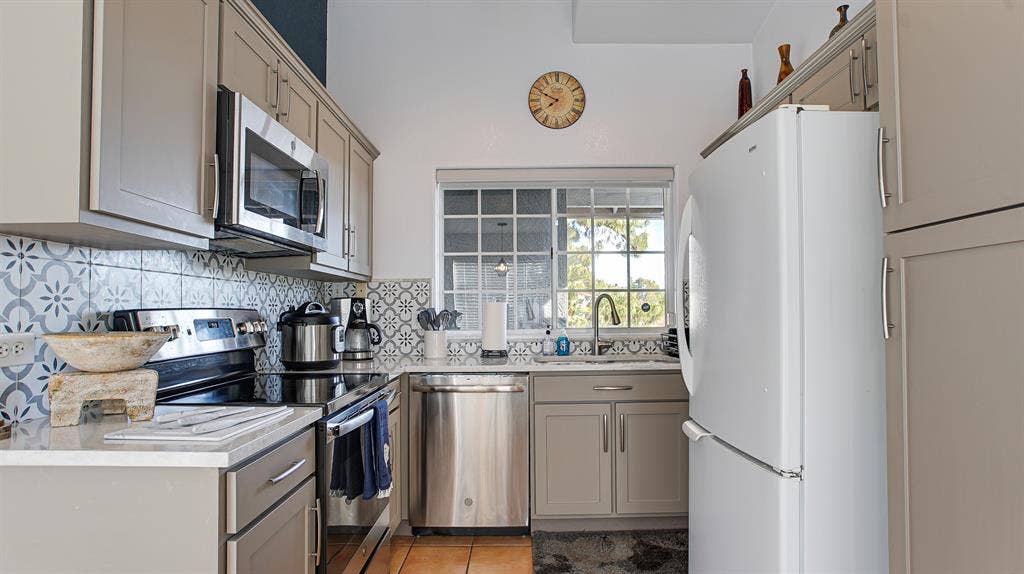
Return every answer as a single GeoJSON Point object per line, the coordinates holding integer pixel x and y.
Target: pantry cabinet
{"type": "Point", "coordinates": [609, 445]}
{"type": "Point", "coordinates": [951, 110]}
{"type": "Point", "coordinates": [954, 396]}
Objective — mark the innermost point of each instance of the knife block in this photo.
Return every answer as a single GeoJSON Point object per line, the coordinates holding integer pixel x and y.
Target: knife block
{"type": "Point", "coordinates": [132, 392]}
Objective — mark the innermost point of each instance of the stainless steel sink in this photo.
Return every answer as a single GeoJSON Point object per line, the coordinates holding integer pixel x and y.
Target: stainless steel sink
{"type": "Point", "coordinates": [570, 359]}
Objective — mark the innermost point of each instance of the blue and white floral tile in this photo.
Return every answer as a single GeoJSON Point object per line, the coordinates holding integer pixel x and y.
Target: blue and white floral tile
{"type": "Point", "coordinates": [165, 261]}
{"type": "Point", "coordinates": [197, 291]}
{"type": "Point", "coordinates": [21, 256]}
{"type": "Point", "coordinates": [161, 290]}
{"type": "Point", "coordinates": [228, 294]}
{"type": "Point", "coordinates": [127, 259]}
{"type": "Point", "coordinates": [199, 263]}
{"type": "Point", "coordinates": [111, 289]}
{"type": "Point", "coordinates": [56, 297]}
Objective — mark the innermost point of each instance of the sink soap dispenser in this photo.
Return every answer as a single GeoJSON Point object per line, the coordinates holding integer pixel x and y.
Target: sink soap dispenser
{"type": "Point", "coordinates": [547, 347]}
{"type": "Point", "coordinates": [562, 346]}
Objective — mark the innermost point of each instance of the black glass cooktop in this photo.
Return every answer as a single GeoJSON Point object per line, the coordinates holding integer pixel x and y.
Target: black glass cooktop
{"type": "Point", "coordinates": [330, 391]}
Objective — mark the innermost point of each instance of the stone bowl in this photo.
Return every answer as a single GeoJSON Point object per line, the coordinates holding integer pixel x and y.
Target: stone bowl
{"type": "Point", "coordinates": [106, 352]}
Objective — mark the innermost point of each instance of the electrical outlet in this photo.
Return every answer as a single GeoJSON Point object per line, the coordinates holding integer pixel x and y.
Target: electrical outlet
{"type": "Point", "coordinates": [17, 349]}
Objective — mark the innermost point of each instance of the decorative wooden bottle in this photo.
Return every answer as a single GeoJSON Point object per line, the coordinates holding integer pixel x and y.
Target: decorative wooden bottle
{"type": "Point", "coordinates": [785, 67]}
{"type": "Point", "coordinates": [746, 98]}
{"type": "Point", "coordinates": [842, 19]}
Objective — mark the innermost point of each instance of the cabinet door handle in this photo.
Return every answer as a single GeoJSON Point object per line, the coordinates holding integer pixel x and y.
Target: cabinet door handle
{"type": "Point", "coordinates": [887, 327]}
{"type": "Point", "coordinates": [622, 432]}
{"type": "Point", "coordinates": [883, 195]}
{"type": "Point", "coordinates": [351, 242]}
{"type": "Point", "coordinates": [604, 426]}
{"type": "Point", "coordinates": [274, 87]}
{"type": "Point", "coordinates": [345, 243]}
{"type": "Point", "coordinates": [864, 65]}
{"type": "Point", "coordinates": [613, 388]}
{"type": "Point", "coordinates": [853, 88]}
{"type": "Point", "coordinates": [319, 534]}
{"type": "Point", "coordinates": [288, 471]}
{"type": "Point", "coordinates": [216, 185]}
{"type": "Point", "coordinates": [288, 93]}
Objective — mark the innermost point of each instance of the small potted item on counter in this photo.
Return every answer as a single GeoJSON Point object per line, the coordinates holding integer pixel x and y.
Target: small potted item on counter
{"type": "Point", "coordinates": [562, 346]}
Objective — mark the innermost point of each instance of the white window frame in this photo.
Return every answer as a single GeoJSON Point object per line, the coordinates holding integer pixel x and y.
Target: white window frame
{"type": "Point", "coordinates": [515, 179]}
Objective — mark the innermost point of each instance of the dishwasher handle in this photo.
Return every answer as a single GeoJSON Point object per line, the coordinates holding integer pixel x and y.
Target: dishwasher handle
{"type": "Point", "coordinates": [469, 388]}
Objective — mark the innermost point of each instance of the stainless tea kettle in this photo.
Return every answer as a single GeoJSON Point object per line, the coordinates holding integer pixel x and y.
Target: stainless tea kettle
{"type": "Point", "coordinates": [360, 334]}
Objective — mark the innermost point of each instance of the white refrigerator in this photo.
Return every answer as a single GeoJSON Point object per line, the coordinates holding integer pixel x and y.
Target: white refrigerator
{"type": "Point", "coordinates": [781, 246]}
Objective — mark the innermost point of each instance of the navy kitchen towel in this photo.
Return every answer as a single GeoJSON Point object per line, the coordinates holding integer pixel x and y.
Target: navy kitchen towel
{"type": "Point", "coordinates": [377, 454]}
{"type": "Point", "coordinates": [347, 467]}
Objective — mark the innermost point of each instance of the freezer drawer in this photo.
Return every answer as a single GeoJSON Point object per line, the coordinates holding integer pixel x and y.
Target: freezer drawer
{"type": "Point", "coordinates": [469, 451]}
{"type": "Point", "coordinates": [743, 518]}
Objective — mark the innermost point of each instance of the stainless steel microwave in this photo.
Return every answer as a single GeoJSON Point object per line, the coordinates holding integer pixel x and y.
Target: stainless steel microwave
{"type": "Point", "coordinates": [272, 187]}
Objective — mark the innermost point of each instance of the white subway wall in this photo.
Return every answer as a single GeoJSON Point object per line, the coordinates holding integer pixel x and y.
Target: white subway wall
{"type": "Point", "coordinates": [804, 24]}
{"type": "Point", "coordinates": [444, 85]}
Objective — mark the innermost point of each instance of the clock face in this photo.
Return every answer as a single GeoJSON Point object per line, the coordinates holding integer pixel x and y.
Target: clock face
{"type": "Point", "coordinates": [557, 100]}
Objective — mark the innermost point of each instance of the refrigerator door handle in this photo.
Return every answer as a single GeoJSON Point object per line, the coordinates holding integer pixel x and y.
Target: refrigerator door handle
{"type": "Point", "coordinates": [683, 259]}
{"type": "Point", "coordinates": [695, 432]}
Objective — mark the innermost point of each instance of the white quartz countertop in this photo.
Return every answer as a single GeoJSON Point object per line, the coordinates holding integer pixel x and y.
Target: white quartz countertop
{"type": "Point", "coordinates": [474, 364]}
{"type": "Point", "coordinates": [36, 443]}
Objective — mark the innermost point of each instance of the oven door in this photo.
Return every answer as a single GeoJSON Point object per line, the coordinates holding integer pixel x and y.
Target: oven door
{"type": "Point", "coordinates": [355, 529]}
{"type": "Point", "coordinates": [274, 185]}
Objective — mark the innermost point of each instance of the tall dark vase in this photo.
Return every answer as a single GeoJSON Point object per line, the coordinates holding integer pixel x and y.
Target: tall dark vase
{"type": "Point", "coordinates": [785, 67]}
{"type": "Point", "coordinates": [842, 19]}
{"type": "Point", "coordinates": [746, 97]}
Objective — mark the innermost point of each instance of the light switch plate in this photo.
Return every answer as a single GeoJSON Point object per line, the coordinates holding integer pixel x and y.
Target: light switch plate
{"type": "Point", "coordinates": [17, 349]}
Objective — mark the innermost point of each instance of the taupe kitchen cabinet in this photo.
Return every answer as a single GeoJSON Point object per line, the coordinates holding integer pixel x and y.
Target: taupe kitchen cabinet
{"type": "Point", "coordinates": [248, 64]}
{"type": "Point", "coordinates": [869, 68]}
{"type": "Point", "coordinates": [281, 541]}
{"type": "Point", "coordinates": [298, 106]}
{"type": "Point", "coordinates": [572, 459]}
{"type": "Point", "coordinates": [360, 210]}
{"type": "Point", "coordinates": [950, 108]}
{"type": "Point", "coordinates": [954, 396]}
{"type": "Point", "coordinates": [648, 439]}
{"type": "Point", "coordinates": [100, 146]}
{"type": "Point", "coordinates": [838, 85]}
{"type": "Point", "coordinates": [396, 452]}
{"type": "Point", "coordinates": [609, 445]}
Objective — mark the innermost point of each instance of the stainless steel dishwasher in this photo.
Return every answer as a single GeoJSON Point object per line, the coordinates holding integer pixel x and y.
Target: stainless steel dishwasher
{"type": "Point", "coordinates": [469, 452]}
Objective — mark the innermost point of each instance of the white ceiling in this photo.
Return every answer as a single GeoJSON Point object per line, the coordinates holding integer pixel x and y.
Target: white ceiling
{"type": "Point", "coordinates": [668, 21]}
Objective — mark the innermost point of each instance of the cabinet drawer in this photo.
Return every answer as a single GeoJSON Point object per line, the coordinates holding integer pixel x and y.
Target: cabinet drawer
{"type": "Point", "coordinates": [634, 387]}
{"type": "Point", "coordinates": [285, 540]}
{"type": "Point", "coordinates": [254, 487]}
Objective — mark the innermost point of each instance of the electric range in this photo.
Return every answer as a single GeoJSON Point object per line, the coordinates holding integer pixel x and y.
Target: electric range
{"type": "Point", "coordinates": [210, 359]}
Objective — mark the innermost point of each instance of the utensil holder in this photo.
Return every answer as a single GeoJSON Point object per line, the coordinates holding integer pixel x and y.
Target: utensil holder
{"type": "Point", "coordinates": [435, 344]}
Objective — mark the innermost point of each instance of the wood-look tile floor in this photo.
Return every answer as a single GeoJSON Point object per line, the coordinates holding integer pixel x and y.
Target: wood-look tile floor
{"type": "Point", "coordinates": [461, 555]}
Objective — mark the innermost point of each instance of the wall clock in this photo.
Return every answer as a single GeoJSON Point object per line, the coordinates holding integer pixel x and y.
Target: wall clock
{"type": "Point", "coordinates": [557, 100]}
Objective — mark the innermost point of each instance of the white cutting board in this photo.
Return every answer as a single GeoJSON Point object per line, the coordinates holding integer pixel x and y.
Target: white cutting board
{"type": "Point", "coordinates": [157, 432]}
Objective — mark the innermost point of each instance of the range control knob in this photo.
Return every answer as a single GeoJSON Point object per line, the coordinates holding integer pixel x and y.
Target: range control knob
{"type": "Point", "coordinates": [261, 326]}
{"type": "Point", "coordinates": [246, 327]}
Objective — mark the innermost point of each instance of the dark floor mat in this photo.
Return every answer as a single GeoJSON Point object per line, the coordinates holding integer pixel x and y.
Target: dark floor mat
{"type": "Point", "coordinates": [609, 552]}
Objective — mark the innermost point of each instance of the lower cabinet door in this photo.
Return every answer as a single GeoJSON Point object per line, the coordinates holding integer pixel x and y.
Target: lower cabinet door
{"type": "Point", "coordinates": [954, 396]}
{"type": "Point", "coordinates": [394, 430]}
{"type": "Point", "coordinates": [283, 541]}
{"type": "Point", "coordinates": [573, 459]}
{"type": "Point", "coordinates": [651, 463]}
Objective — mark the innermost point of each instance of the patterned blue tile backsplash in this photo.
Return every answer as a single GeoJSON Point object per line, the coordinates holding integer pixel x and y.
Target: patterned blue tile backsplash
{"type": "Point", "coordinates": [48, 287]}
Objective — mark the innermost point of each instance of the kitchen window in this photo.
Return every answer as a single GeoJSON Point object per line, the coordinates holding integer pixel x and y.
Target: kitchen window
{"type": "Point", "coordinates": [549, 250]}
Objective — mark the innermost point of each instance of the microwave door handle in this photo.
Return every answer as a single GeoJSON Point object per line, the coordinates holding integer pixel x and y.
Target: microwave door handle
{"type": "Point", "coordinates": [321, 194]}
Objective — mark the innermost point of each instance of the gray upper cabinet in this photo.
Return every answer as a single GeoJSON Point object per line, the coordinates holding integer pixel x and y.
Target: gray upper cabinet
{"type": "Point", "coordinates": [572, 459]}
{"type": "Point", "coordinates": [837, 85]}
{"type": "Point", "coordinates": [155, 123]}
{"type": "Point", "coordinates": [332, 142]}
{"type": "Point", "coordinates": [360, 210]}
{"type": "Point", "coordinates": [951, 108]}
{"type": "Point", "coordinates": [248, 64]}
{"type": "Point", "coordinates": [651, 466]}
{"type": "Point", "coordinates": [954, 396]}
{"type": "Point", "coordinates": [869, 68]}
{"type": "Point", "coordinates": [297, 110]}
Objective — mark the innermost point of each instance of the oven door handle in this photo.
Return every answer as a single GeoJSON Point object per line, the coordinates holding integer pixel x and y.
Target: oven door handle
{"type": "Point", "coordinates": [347, 426]}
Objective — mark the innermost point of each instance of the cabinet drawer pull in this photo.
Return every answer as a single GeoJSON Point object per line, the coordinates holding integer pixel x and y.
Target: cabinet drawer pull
{"type": "Point", "coordinates": [604, 425]}
{"type": "Point", "coordinates": [613, 388]}
{"type": "Point", "coordinates": [288, 472]}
